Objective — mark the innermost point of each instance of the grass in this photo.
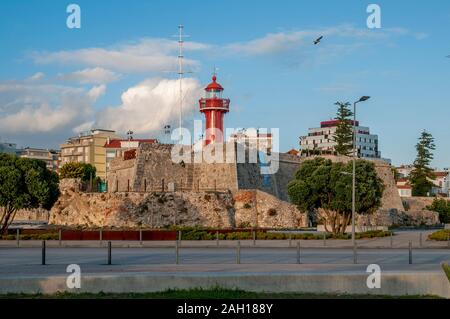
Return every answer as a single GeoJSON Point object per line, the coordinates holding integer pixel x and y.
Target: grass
{"type": "Point", "coordinates": [216, 293]}
{"type": "Point", "coordinates": [446, 268]}
{"type": "Point", "coordinates": [46, 236]}
{"type": "Point", "coordinates": [441, 235]}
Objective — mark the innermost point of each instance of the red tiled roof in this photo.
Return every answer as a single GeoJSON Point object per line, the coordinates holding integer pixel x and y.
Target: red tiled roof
{"type": "Point", "coordinates": [440, 174]}
{"type": "Point", "coordinates": [113, 144]}
{"type": "Point", "coordinates": [116, 143]}
{"type": "Point", "coordinates": [404, 187]}
{"type": "Point", "coordinates": [293, 152]}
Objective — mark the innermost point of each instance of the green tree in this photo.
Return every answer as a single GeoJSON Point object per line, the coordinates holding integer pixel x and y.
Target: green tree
{"type": "Point", "coordinates": [344, 131]}
{"type": "Point", "coordinates": [442, 207]}
{"type": "Point", "coordinates": [24, 184]}
{"type": "Point", "coordinates": [322, 185]}
{"type": "Point", "coordinates": [78, 170]}
{"type": "Point", "coordinates": [422, 174]}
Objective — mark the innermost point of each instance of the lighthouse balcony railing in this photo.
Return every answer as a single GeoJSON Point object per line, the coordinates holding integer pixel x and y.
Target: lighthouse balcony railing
{"type": "Point", "coordinates": [223, 104]}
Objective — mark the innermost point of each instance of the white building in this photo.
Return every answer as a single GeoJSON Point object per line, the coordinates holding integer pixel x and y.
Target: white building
{"type": "Point", "coordinates": [321, 139]}
{"type": "Point", "coordinates": [253, 138]}
{"type": "Point", "coordinates": [50, 157]}
{"type": "Point", "coordinates": [441, 183]}
{"type": "Point", "coordinates": [405, 170]}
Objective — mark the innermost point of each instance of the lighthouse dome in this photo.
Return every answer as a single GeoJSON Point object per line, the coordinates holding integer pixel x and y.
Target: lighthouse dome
{"type": "Point", "coordinates": [214, 86]}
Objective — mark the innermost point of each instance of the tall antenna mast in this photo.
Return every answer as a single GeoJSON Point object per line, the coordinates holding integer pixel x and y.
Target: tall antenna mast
{"type": "Point", "coordinates": [181, 71]}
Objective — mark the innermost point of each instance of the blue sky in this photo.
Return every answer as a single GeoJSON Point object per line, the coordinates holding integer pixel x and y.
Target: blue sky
{"type": "Point", "coordinates": [117, 69]}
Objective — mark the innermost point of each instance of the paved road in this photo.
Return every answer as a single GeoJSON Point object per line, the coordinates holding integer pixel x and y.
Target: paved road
{"type": "Point", "coordinates": [26, 261]}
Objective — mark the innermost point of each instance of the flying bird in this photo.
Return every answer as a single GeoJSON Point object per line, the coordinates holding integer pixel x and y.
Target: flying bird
{"type": "Point", "coordinates": [317, 41]}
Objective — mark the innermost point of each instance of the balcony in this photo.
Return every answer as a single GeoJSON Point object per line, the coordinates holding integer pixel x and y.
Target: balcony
{"type": "Point", "coordinates": [214, 104]}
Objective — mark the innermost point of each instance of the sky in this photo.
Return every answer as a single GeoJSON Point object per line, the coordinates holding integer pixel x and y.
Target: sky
{"type": "Point", "coordinates": [119, 70]}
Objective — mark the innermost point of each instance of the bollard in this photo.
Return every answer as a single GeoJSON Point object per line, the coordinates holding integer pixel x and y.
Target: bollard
{"type": "Point", "coordinates": [448, 240]}
{"type": "Point", "coordinates": [101, 236]}
{"type": "Point", "coordinates": [298, 252]}
{"type": "Point", "coordinates": [420, 240]}
{"type": "Point", "coordinates": [177, 253]}
{"type": "Point", "coordinates": [60, 237]}
{"type": "Point", "coordinates": [392, 241]}
{"type": "Point", "coordinates": [18, 237]}
{"type": "Point", "coordinates": [355, 256]}
{"type": "Point", "coordinates": [217, 238]}
{"type": "Point", "coordinates": [324, 240]}
{"type": "Point", "coordinates": [140, 235]}
{"type": "Point", "coordinates": [238, 252]}
{"type": "Point", "coordinates": [179, 237]}
{"type": "Point", "coordinates": [254, 238]}
{"type": "Point", "coordinates": [410, 253]}
{"type": "Point", "coordinates": [43, 252]}
{"type": "Point", "coordinates": [290, 240]}
{"type": "Point", "coordinates": [109, 253]}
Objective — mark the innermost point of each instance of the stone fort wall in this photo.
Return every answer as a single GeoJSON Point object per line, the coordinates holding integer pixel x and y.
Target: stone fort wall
{"type": "Point", "coordinates": [153, 169]}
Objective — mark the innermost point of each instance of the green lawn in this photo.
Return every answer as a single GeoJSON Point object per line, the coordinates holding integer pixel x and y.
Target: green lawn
{"type": "Point", "coordinates": [205, 294]}
{"type": "Point", "coordinates": [446, 268]}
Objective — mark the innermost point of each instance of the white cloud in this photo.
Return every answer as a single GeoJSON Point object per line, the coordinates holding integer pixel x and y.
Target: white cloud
{"type": "Point", "coordinates": [29, 108]}
{"type": "Point", "coordinates": [282, 42]}
{"type": "Point", "coordinates": [91, 76]}
{"type": "Point", "coordinates": [36, 77]}
{"type": "Point", "coordinates": [146, 55]}
{"type": "Point", "coordinates": [149, 105]}
{"type": "Point", "coordinates": [85, 127]}
{"type": "Point", "coordinates": [96, 92]}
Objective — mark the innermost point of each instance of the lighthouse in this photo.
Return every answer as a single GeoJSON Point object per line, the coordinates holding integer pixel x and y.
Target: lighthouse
{"type": "Point", "coordinates": [214, 106]}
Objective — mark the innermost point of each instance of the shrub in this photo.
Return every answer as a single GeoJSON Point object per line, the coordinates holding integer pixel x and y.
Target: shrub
{"type": "Point", "coordinates": [78, 170]}
{"type": "Point", "coordinates": [441, 235]}
{"type": "Point", "coordinates": [442, 207]}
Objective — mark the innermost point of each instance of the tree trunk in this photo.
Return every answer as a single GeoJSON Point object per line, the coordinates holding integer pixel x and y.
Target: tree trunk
{"type": "Point", "coordinates": [7, 219]}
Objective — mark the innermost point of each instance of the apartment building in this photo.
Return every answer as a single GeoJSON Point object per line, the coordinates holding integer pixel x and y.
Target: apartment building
{"type": "Point", "coordinates": [321, 139]}
{"type": "Point", "coordinates": [50, 157]}
{"type": "Point", "coordinates": [88, 148]}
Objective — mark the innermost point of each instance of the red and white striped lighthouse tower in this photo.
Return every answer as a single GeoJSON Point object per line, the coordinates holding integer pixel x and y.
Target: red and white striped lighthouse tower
{"type": "Point", "coordinates": [214, 107]}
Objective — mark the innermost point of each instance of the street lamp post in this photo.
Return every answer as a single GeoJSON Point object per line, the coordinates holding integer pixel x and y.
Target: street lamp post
{"type": "Point", "coordinates": [362, 99]}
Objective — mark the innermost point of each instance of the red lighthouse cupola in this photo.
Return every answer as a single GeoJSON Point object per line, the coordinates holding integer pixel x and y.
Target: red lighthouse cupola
{"type": "Point", "coordinates": [214, 107]}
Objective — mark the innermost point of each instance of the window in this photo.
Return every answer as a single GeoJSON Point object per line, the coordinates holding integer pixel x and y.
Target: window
{"type": "Point", "coordinates": [214, 94]}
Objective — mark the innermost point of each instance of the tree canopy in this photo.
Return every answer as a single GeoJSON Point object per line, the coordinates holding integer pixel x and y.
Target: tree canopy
{"type": "Point", "coordinates": [78, 170]}
{"type": "Point", "coordinates": [442, 207]}
{"type": "Point", "coordinates": [344, 131]}
{"type": "Point", "coordinates": [422, 174]}
{"type": "Point", "coordinates": [321, 185]}
{"type": "Point", "coordinates": [24, 184]}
